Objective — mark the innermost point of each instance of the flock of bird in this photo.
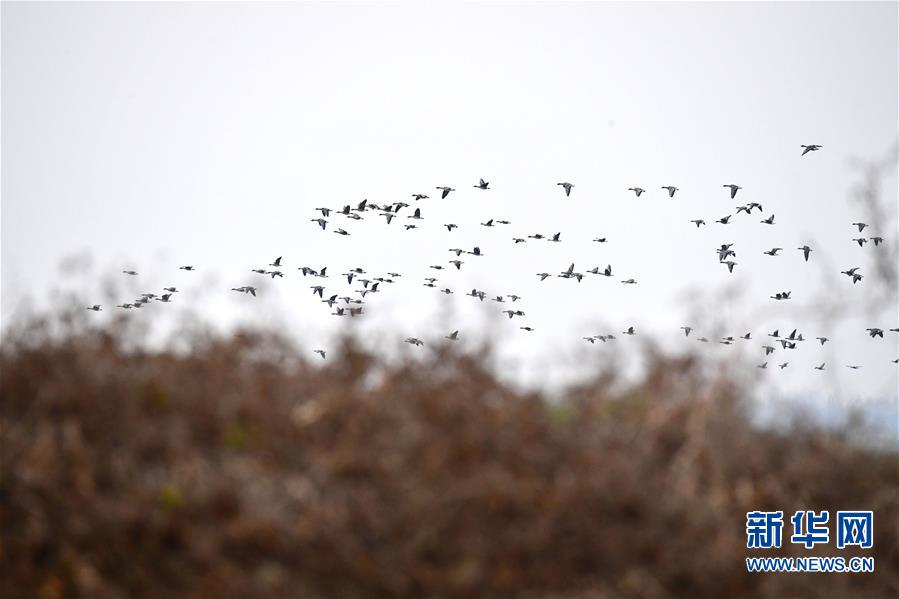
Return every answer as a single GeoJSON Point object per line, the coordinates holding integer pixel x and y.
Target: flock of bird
{"type": "Point", "coordinates": [353, 302]}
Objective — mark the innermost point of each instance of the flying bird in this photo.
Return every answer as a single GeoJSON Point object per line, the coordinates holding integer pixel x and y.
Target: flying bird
{"type": "Point", "coordinates": [809, 148]}
{"type": "Point", "coordinates": [637, 190]}
{"type": "Point", "coordinates": [482, 184]}
{"type": "Point", "coordinates": [733, 189]}
{"type": "Point", "coordinates": [806, 250]}
{"type": "Point", "coordinates": [670, 189]}
{"type": "Point", "coordinates": [445, 191]}
{"type": "Point", "coordinates": [567, 187]}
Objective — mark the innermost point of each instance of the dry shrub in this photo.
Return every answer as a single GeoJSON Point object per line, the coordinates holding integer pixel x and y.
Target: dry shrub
{"type": "Point", "coordinates": [241, 469]}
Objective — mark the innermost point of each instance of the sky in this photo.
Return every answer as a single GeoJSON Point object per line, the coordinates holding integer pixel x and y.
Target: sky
{"type": "Point", "coordinates": [146, 136]}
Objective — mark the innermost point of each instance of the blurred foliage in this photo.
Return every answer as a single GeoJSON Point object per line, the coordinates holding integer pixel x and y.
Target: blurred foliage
{"type": "Point", "coordinates": [240, 468]}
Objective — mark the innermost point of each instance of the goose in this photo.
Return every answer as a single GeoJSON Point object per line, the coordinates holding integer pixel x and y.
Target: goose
{"type": "Point", "coordinates": [514, 297]}
{"type": "Point", "coordinates": [125, 306]}
{"type": "Point", "coordinates": [608, 271]}
{"type": "Point", "coordinates": [476, 251]}
{"type": "Point", "coordinates": [349, 277]}
{"type": "Point", "coordinates": [410, 227]}
{"type": "Point", "coordinates": [166, 298]}
{"type": "Point", "coordinates": [768, 221]}
{"type": "Point", "coordinates": [703, 339]}
{"type": "Point", "coordinates": [850, 272]}
{"type": "Point", "coordinates": [629, 331]}
{"type": "Point", "coordinates": [768, 349]}
{"type": "Point", "coordinates": [820, 367]}
{"type": "Point", "coordinates": [430, 284]}
{"type": "Point", "coordinates": [806, 250]}
{"type": "Point", "coordinates": [445, 191]}
{"type": "Point", "coordinates": [478, 294]}
{"type": "Point", "coordinates": [512, 313]}
{"type": "Point", "coordinates": [187, 267]}
{"type": "Point", "coordinates": [775, 334]}
{"type": "Point", "coordinates": [446, 291]}
{"type": "Point", "coordinates": [451, 226]}
{"type": "Point", "coordinates": [389, 216]}
{"type": "Point", "coordinates": [394, 274]}
{"type": "Point", "coordinates": [130, 272]}
{"type": "Point", "coordinates": [499, 299]}
{"type": "Point", "coordinates": [875, 332]}
{"type": "Point", "coordinates": [556, 238]}
{"type": "Point", "coordinates": [482, 184]}
{"type": "Point", "coordinates": [861, 226]}
{"type": "Point", "coordinates": [321, 222]}
{"type": "Point", "coordinates": [724, 220]}
{"type": "Point", "coordinates": [852, 367]}
{"type": "Point", "coordinates": [784, 365]}
{"type": "Point", "coordinates": [320, 352]}
{"type": "Point", "coordinates": [773, 251]}
{"type": "Point", "coordinates": [414, 341]}
{"type": "Point", "coordinates": [260, 271]}
{"type": "Point", "coordinates": [457, 263]}
{"type": "Point", "coordinates": [686, 331]}
{"type": "Point", "coordinates": [276, 273]}
{"type": "Point", "coordinates": [454, 336]}
{"type": "Point", "coordinates": [747, 336]}
{"type": "Point", "coordinates": [338, 312]}
{"type": "Point", "coordinates": [567, 187]}
{"type": "Point", "coordinates": [277, 262]}
{"type": "Point", "coordinates": [745, 209]}
{"type": "Point", "coordinates": [671, 189]}
{"type": "Point", "coordinates": [306, 270]}
{"type": "Point", "coordinates": [793, 337]}
{"type": "Point", "coordinates": [416, 215]}
{"type": "Point", "coordinates": [785, 295]}
{"type": "Point", "coordinates": [590, 339]}
{"type": "Point", "coordinates": [763, 365]}
{"type": "Point", "coordinates": [436, 267]}
{"type": "Point", "coordinates": [637, 190]}
{"type": "Point", "coordinates": [787, 344]}
{"type": "Point", "coordinates": [823, 340]}
{"type": "Point", "coordinates": [95, 308]}
{"type": "Point", "coordinates": [543, 275]}
{"type": "Point", "coordinates": [246, 289]}
{"type": "Point", "coordinates": [518, 240]}
{"type": "Point", "coordinates": [503, 222]}
{"type": "Point", "coordinates": [170, 289]}
{"type": "Point", "coordinates": [861, 241]}
{"type": "Point", "coordinates": [877, 240]}
{"type": "Point", "coordinates": [419, 196]}
{"type": "Point", "coordinates": [317, 289]}
{"type": "Point", "coordinates": [730, 265]}
{"type": "Point", "coordinates": [458, 251]}
{"type": "Point", "coordinates": [330, 301]}
{"type": "Point", "coordinates": [528, 329]}
{"type": "Point", "coordinates": [733, 189]}
{"type": "Point", "coordinates": [755, 205]}
{"type": "Point", "coordinates": [698, 222]}
{"type": "Point", "coordinates": [629, 282]}
{"type": "Point", "coordinates": [322, 274]}
{"type": "Point", "coordinates": [809, 148]}
{"type": "Point", "coordinates": [489, 223]}
{"type": "Point", "coordinates": [599, 239]}
{"type": "Point", "coordinates": [360, 207]}
{"type": "Point", "coordinates": [326, 212]}
{"type": "Point", "coordinates": [536, 236]}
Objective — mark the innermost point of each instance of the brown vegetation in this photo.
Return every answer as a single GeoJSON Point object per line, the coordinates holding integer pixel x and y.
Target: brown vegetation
{"type": "Point", "coordinates": [241, 469]}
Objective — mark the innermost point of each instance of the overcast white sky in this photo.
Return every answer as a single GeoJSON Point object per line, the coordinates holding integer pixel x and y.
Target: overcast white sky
{"type": "Point", "coordinates": [147, 136]}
